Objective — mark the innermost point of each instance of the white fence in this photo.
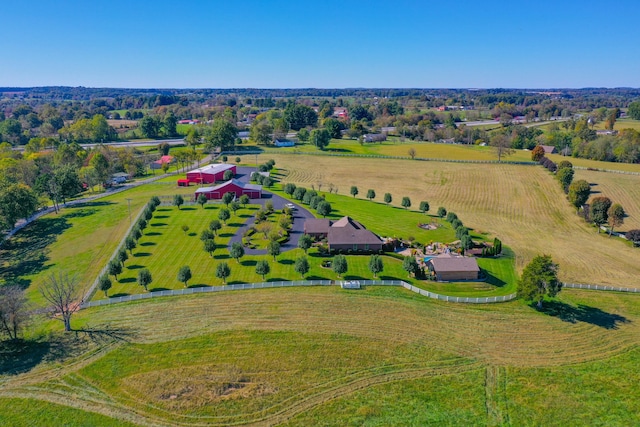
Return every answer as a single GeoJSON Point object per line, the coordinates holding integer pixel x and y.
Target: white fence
{"type": "Point", "coordinates": [600, 287]}
{"type": "Point", "coordinates": [267, 285]}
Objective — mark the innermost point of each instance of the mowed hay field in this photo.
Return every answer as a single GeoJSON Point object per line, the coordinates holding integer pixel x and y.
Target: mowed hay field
{"type": "Point", "coordinates": [522, 205]}
{"type": "Point", "coordinates": [620, 188]}
{"type": "Point", "coordinates": [326, 356]}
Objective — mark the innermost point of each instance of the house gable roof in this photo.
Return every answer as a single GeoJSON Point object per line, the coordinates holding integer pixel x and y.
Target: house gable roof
{"type": "Point", "coordinates": [317, 226]}
{"type": "Point", "coordinates": [221, 187]}
{"type": "Point", "coordinates": [213, 169]}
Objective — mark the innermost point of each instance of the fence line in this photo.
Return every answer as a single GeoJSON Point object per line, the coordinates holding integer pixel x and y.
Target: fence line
{"type": "Point", "coordinates": [600, 287]}
{"type": "Point", "coordinates": [267, 285]}
{"type": "Point", "coordinates": [94, 285]}
{"type": "Point", "coordinates": [606, 170]}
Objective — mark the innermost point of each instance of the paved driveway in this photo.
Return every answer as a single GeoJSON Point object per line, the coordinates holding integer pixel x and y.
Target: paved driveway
{"type": "Point", "coordinates": [299, 216]}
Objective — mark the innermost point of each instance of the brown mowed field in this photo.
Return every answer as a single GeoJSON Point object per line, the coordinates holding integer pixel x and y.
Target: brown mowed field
{"type": "Point", "coordinates": [522, 205]}
{"type": "Point", "coordinates": [620, 188]}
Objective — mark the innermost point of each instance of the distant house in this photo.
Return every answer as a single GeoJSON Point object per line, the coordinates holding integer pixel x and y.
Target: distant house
{"type": "Point", "coordinates": [284, 143]}
{"type": "Point", "coordinates": [244, 134]}
{"type": "Point", "coordinates": [374, 137]}
{"type": "Point", "coordinates": [232, 186]}
{"type": "Point", "coordinates": [549, 149]}
{"type": "Point", "coordinates": [210, 173]}
{"type": "Point", "coordinates": [450, 268]}
{"type": "Point", "coordinates": [119, 178]}
{"type": "Point", "coordinates": [188, 122]}
{"type": "Point", "coordinates": [344, 234]}
{"type": "Point", "coordinates": [161, 161]}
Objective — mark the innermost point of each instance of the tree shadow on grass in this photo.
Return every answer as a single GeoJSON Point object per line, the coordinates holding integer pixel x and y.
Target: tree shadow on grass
{"type": "Point", "coordinates": [286, 262]}
{"type": "Point", "coordinates": [159, 289]}
{"type": "Point", "coordinates": [163, 209]}
{"type": "Point", "coordinates": [20, 356]}
{"type": "Point", "coordinates": [249, 263]}
{"type": "Point", "coordinates": [148, 244]}
{"type": "Point", "coordinates": [198, 285]}
{"type": "Point", "coordinates": [582, 313]}
{"type": "Point", "coordinates": [223, 235]}
{"type": "Point", "coordinates": [493, 280]}
{"type": "Point", "coordinates": [188, 208]}
{"type": "Point", "coordinates": [91, 204]}
{"type": "Point", "coordinates": [80, 212]}
{"type": "Point", "coordinates": [153, 233]}
{"type": "Point", "coordinates": [158, 224]}
{"type": "Point", "coordinates": [316, 278]}
{"type": "Point", "coordinates": [141, 254]}
{"type": "Point", "coordinates": [161, 217]}
{"type": "Point", "coordinates": [127, 280]}
{"type": "Point", "coordinates": [134, 267]}
{"type": "Point", "coordinates": [119, 294]}
{"type": "Point", "coordinates": [353, 277]}
{"type": "Point", "coordinates": [107, 333]}
{"type": "Point", "coordinates": [192, 234]}
{"type": "Point", "coordinates": [28, 251]}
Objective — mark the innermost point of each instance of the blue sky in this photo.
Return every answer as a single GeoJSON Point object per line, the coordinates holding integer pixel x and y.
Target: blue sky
{"type": "Point", "coordinates": [323, 44]}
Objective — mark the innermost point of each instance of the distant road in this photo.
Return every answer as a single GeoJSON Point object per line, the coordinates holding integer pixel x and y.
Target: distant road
{"type": "Point", "coordinates": [153, 143]}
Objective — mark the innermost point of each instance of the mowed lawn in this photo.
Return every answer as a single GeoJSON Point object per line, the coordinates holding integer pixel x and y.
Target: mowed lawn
{"type": "Point", "coordinates": [164, 248]}
{"type": "Point", "coordinates": [79, 240]}
{"type": "Point", "coordinates": [523, 206]}
{"type": "Point", "coordinates": [308, 356]}
{"type": "Point", "coordinates": [396, 148]}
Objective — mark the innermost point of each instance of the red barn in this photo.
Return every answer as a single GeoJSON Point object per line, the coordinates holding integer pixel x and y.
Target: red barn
{"type": "Point", "coordinates": [210, 174]}
{"type": "Point", "coordinates": [233, 186]}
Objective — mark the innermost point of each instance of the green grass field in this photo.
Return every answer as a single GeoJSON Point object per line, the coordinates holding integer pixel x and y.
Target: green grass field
{"type": "Point", "coordinates": [323, 355]}
{"type": "Point", "coordinates": [523, 206]}
{"type": "Point", "coordinates": [378, 356]}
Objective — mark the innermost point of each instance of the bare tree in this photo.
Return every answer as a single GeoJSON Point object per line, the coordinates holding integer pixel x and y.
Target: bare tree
{"type": "Point", "coordinates": [14, 310]}
{"type": "Point", "coordinates": [62, 293]}
{"type": "Point", "coordinates": [501, 143]}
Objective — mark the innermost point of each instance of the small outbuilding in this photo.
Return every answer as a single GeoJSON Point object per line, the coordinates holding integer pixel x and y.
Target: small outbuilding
{"type": "Point", "coordinates": [549, 149]}
{"type": "Point", "coordinates": [284, 143]}
{"type": "Point", "coordinates": [210, 173]}
{"type": "Point", "coordinates": [232, 186]}
{"type": "Point", "coordinates": [450, 268]}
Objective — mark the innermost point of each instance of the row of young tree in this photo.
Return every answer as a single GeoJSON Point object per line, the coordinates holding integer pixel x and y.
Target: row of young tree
{"type": "Point", "coordinates": [601, 210]}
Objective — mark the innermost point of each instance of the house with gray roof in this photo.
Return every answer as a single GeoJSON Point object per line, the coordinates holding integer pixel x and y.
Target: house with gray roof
{"type": "Point", "coordinates": [451, 268]}
{"type": "Point", "coordinates": [344, 235]}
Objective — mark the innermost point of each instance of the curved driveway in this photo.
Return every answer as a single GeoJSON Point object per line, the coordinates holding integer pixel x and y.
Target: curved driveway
{"type": "Point", "coordinates": [300, 214]}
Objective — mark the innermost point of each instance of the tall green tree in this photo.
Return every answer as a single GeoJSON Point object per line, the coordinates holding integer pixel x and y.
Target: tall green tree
{"type": "Point", "coordinates": [354, 191]}
{"type": "Point", "coordinates": [424, 207]}
{"type": "Point", "coordinates": [215, 225]}
{"type": "Point", "coordinates": [539, 279]}
{"type": "Point", "coordinates": [263, 268]}
{"type": "Point", "coordinates": [616, 215]}
{"type": "Point", "coordinates": [202, 200]}
{"type": "Point", "coordinates": [565, 176]}
{"type": "Point", "coordinates": [324, 209]}
{"type": "Point", "coordinates": [376, 265]}
{"type": "Point", "coordinates": [305, 242]}
{"type": "Point", "coordinates": [184, 275]}
{"type": "Point", "coordinates": [114, 268]}
{"type": "Point", "coordinates": [410, 265]}
{"type": "Point", "coordinates": [16, 201]}
{"type": "Point", "coordinates": [320, 138]}
{"type": "Point", "coordinates": [223, 271]}
{"type": "Point", "coordinates": [221, 134]}
{"type": "Point", "coordinates": [273, 249]}
{"type": "Point", "coordinates": [406, 202]}
{"type": "Point", "coordinates": [178, 200]}
{"type": "Point", "coordinates": [144, 278]}
{"type": "Point", "coordinates": [634, 110]}
{"type": "Point", "coordinates": [339, 265]}
{"type": "Point", "coordinates": [387, 198]}
{"type": "Point", "coordinates": [371, 194]}
{"type": "Point", "coordinates": [599, 210]}
{"type": "Point", "coordinates": [150, 126]}
{"type": "Point", "coordinates": [579, 192]}
{"type": "Point", "coordinates": [224, 215]}
{"type": "Point", "coordinates": [261, 132]}
{"type": "Point", "coordinates": [227, 198]}
{"type": "Point", "coordinates": [299, 116]}
{"type": "Point", "coordinates": [237, 251]}
{"type": "Point", "coordinates": [301, 266]}
{"type": "Point", "coordinates": [104, 284]}
{"type": "Point", "coordinates": [209, 246]}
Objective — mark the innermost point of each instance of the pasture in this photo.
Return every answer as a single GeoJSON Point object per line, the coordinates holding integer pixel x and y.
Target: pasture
{"type": "Point", "coordinates": [521, 205]}
{"type": "Point", "coordinates": [309, 356]}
